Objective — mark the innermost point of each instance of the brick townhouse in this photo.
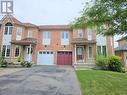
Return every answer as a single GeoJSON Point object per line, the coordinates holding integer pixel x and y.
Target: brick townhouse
{"type": "Point", "coordinates": [51, 44]}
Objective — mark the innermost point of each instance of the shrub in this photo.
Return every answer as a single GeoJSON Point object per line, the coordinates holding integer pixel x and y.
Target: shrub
{"type": "Point", "coordinates": [4, 64]}
{"type": "Point", "coordinates": [26, 64]}
{"type": "Point", "coordinates": [112, 63]}
{"type": "Point", "coordinates": [19, 59]}
{"type": "Point", "coordinates": [115, 64]}
{"type": "Point", "coordinates": [102, 62]}
{"type": "Point", "coordinates": [1, 59]}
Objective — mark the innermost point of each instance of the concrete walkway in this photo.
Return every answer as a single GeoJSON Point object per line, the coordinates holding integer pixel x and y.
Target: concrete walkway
{"type": "Point", "coordinates": [41, 80]}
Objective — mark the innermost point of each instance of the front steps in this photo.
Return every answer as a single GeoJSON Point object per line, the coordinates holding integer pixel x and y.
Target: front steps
{"type": "Point", "coordinates": [83, 66]}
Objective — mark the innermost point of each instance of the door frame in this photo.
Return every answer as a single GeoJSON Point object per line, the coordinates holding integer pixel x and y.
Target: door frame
{"type": "Point", "coordinates": [27, 53]}
{"type": "Point", "coordinates": [83, 60]}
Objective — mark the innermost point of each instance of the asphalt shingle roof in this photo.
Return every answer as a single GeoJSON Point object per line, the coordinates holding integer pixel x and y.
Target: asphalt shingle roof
{"type": "Point", "coordinates": [121, 48]}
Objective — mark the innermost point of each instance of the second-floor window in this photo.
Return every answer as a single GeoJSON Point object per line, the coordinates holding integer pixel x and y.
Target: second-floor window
{"type": "Point", "coordinates": [30, 33]}
{"type": "Point", "coordinates": [46, 38]}
{"type": "Point", "coordinates": [64, 38]}
{"type": "Point", "coordinates": [19, 33]}
{"type": "Point", "coordinates": [8, 29]}
{"type": "Point", "coordinates": [90, 33]}
{"type": "Point", "coordinates": [80, 33]}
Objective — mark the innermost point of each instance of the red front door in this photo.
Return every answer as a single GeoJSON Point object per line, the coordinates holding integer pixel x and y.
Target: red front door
{"type": "Point", "coordinates": [64, 58]}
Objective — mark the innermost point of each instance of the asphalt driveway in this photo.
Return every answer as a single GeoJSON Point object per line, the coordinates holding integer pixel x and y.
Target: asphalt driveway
{"type": "Point", "coordinates": [41, 80]}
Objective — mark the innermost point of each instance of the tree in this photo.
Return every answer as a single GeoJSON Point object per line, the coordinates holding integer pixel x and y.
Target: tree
{"type": "Point", "coordinates": [110, 15]}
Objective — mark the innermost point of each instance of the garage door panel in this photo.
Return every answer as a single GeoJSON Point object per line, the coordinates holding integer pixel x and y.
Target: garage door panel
{"type": "Point", "coordinates": [45, 58]}
{"type": "Point", "coordinates": [64, 58]}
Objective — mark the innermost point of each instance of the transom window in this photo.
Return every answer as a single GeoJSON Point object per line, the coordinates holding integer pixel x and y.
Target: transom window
{"type": "Point", "coordinates": [30, 33]}
{"type": "Point", "coordinates": [6, 51]}
{"type": "Point", "coordinates": [80, 33]}
{"type": "Point", "coordinates": [8, 29]}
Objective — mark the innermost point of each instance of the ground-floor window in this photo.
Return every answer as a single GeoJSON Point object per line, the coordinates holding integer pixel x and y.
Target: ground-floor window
{"type": "Point", "coordinates": [90, 52]}
{"type": "Point", "coordinates": [6, 51]}
{"type": "Point", "coordinates": [101, 50]}
{"type": "Point", "coordinates": [98, 49]}
{"type": "Point", "coordinates": [104, 50]}
{"type": "Point", "coordinates": [17, 51]}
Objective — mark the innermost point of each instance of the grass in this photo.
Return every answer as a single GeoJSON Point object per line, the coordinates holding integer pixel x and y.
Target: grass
{"type": "Point", "coordinates": [96, 82]}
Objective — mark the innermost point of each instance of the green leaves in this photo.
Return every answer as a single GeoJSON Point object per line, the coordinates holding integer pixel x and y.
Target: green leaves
{"type": "Point", "coordinates": [112, 13]}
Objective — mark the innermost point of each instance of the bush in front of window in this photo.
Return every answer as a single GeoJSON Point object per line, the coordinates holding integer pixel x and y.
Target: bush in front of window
{"type": "Point", "coordinates": [19, 59]}
{"type": "Point", "coordinates": [26, 64]}
{"type": "Point", "coordinates": [1, 58]}
{"type": "Point", "coordinates": [115, 64]}
{"type": "Point", "coordinates": [111, 63]}
{"type": "Point", "coordinates": [102, 62]}
{"type": "Point", "coordinates": [4, 64]}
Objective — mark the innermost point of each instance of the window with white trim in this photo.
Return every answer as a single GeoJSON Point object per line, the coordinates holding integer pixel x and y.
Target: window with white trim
{"type": "Point", "coordinates": [30, 33]}
{"type": "Point", "coordinates": [46, 38]}
{"type": "Point", "coordinates": [18, 33]}
{"type": "Point", "coordinates": [90, 33]}
{"type": "Point", "coordinates": [80, 33]}
{"type": "Point", "coordinates": [17, 51]}
{"type": "Point", "coordinates": [64, 38]}
{"type": "Point", "coordinates": [89, 52]}
{"type": "Point", "coordinates": [101, 50]}
{"type": "Point", "coordinates": [6, 51]}
{"type": "Point", "coordinates": [8, 29]}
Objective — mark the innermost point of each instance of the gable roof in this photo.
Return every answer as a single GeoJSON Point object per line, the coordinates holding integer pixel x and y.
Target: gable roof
{"type": "Point", "coordinates": [29, 25]}
{"type": "Point", "coordinates": [13, 19]}
{"type": "Point", "coordinates": [43, 27]}
{"type": "Point", "coordinates": [54, 27]}
{"type": "Point", "coordinates": [123, 38]}
{"type": "Point", "coordinates": [121, 48]}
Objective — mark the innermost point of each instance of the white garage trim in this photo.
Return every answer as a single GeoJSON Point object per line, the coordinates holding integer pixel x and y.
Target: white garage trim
{"type": "Point", "coordinates": [45, 57]}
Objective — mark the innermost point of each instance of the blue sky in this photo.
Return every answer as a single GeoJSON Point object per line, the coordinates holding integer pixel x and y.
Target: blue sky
{"type": "Point", "coordinates": [48, 11]}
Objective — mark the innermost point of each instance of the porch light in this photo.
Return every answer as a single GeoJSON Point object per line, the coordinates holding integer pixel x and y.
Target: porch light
{"type": "Point", "coordinates": [64, 47]}
{"type": "Point", "coordinates": [45, 46]}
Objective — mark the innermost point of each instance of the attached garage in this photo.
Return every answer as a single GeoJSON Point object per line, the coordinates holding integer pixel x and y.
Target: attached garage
{"type": "Point", "coordinates": [45, 58]}
{"type": "Point", "coordinates": [64, 58]}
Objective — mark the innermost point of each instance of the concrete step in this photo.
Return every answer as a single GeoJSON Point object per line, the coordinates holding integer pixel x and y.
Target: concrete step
{"type": "Point", "coordinates": [84, 66]}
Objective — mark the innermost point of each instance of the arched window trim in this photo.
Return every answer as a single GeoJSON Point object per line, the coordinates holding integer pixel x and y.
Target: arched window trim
{"type": "Point", "coordinates": [8, 28]}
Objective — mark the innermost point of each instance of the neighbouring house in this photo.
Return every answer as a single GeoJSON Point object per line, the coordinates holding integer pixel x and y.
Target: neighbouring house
{"type": "Point", "coordinates": [121, 50]}
{"type": "Point", "coordinates": [51, 44]}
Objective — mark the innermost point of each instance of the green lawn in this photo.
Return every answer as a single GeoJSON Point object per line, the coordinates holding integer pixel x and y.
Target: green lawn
{"type": "Point", "coordinates": [95, 82]}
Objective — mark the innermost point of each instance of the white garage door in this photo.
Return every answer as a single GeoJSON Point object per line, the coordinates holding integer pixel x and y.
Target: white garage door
{"type": "Point", "coordinates": [45, 58]}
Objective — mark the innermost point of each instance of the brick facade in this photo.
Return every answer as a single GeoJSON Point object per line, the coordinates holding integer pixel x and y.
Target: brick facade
{"type": "Point", "coordinates": [55, 45]}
